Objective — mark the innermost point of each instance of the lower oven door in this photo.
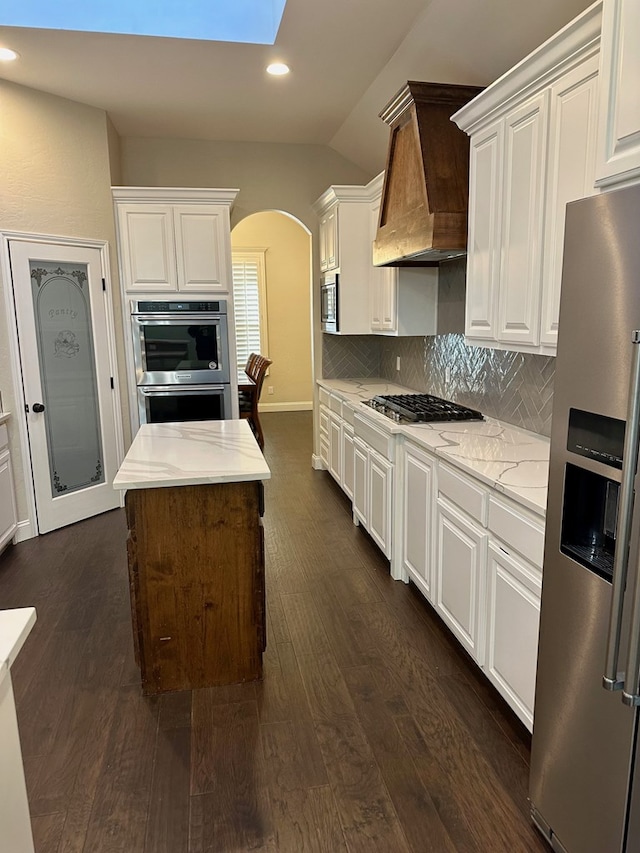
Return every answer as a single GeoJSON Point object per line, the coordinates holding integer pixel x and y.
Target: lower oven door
{"type": "Point", "coordinates": [160, 404]}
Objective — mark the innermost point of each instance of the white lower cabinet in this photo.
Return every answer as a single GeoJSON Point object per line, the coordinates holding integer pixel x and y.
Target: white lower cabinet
{"type": "Point", "coordinates": [380, 501]}
{"type": "Point", "coordinates": [476, 556]}
{"type": "Point", "coordinates": [360, 481]}
{"type": "Point", "coordinates": [347, 459]}
{"type": "Point", "coordinates": [417, 526]}
{"type": "Point", "coordinates": [8, 513]}
{"type": "Point", "coordinates": [460, 572]}
{"type": "Point", "coordinates": [513, 617]}
{"type": "Point", "coordinates": [323, 421]}
{"type": "Point", "coordinates": [335, 448]}
{"type": "Point", "coordinates": [373, 493]}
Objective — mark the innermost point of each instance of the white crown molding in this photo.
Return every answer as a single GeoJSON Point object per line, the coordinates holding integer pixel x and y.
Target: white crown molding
{"type": "Point", "coordinates": [172, 195]}
{"type": "Point", "coordinates": [571, 45]}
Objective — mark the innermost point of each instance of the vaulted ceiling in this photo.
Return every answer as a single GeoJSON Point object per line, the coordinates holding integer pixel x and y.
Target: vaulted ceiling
{"type": "Point", "coordinates": [347, 60]}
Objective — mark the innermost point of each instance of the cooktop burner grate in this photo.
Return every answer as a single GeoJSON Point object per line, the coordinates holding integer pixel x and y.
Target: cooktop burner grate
{"type": "Point", "coordinates": [421, 408]}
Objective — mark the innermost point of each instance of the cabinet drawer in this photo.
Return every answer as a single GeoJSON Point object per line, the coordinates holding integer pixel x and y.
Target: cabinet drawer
{"type": "Point", "coordinates": [335, 404]}
{"type": "Point", "coordinates": [4, 436]}
{"type": "Point", "coordinates": [515, 529]}
{"type": "Point", "coordinates": [324, 422]}
{"type": "Point", "coordinates": [347, 413]}
{"type": "Point", "coordinates": [324, 396]}
{"type": "Point", "coordinates": [464, 493]}
{"type": "Point", "coordinates": [381, 441]}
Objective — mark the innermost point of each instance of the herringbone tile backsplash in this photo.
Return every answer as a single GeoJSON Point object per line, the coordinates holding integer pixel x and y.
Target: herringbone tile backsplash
{"type": "Point", "coordinates": [511, 386]}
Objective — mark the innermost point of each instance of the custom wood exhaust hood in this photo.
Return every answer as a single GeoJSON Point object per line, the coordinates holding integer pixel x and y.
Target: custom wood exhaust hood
{"type": "Point", "coordinates": [423, 214]}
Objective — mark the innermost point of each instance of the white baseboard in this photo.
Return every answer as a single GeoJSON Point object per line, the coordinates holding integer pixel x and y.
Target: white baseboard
{"type": "Point", "coordinates": [302, 406]}
{"type": "Point", "coordinates": [24, 531]}
{"type": "Point", "coordinates": [316, 462]}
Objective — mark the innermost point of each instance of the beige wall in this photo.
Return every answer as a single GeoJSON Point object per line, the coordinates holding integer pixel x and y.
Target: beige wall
{"type": "Point", "coordinates": [54, 179]}
{"type": "Point", "coordinates": [269, 176]}
{"type": "Point", "coordinates": [288, 286]}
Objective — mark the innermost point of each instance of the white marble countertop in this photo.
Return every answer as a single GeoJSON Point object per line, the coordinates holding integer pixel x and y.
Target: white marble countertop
{"type": "Point", "coordinates": [15, 627]}
{"type": "Point", "coordinates": [190, 454]}
{"type": "Point", "coordinates": [511, 460]}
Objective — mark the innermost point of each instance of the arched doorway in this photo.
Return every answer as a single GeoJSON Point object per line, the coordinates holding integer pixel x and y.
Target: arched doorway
{"type": "Point", "coordinates": [286, 245]}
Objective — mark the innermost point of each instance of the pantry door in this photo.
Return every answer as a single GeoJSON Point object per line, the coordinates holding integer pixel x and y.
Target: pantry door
{"type": "Point", "coordinates": [61, 314]}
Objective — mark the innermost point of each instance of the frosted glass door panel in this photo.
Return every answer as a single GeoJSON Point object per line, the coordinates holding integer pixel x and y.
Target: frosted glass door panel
{"type": "Point", "coordinates": [62, 315]}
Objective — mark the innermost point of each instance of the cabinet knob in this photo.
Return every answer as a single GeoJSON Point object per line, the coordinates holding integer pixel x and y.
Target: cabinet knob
{"type": "Point", "coordinates": [38, 407]}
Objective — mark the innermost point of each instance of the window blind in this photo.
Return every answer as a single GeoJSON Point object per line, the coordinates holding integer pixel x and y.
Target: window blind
{"type": "Point", "coordinates": [248, 286]}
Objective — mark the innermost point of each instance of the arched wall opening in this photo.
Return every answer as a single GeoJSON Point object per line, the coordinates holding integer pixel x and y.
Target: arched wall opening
{"type": "Point", "coordinates": [288, 273]}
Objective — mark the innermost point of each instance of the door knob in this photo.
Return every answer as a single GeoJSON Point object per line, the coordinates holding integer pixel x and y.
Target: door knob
{"type": "Point", "coordinates": [38, 407]}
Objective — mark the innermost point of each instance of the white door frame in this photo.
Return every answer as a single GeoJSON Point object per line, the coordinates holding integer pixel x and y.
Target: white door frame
{"type": "Point", "coordinates": [28, 528]}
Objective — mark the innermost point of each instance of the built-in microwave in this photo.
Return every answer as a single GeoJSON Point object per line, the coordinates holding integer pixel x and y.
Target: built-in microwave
{"type": "Point", "coordinates": [329, 317]}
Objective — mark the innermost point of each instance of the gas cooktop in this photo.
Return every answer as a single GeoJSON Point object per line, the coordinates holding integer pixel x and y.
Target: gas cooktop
{"type": "Point", "coordinates": [421, 408]}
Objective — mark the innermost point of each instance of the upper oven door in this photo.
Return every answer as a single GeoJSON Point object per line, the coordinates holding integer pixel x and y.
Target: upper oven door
{"type": "Point", "coordinates": [180, 349]}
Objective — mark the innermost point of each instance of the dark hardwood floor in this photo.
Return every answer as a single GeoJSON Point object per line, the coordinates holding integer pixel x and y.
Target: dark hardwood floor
{"type": "Point", "coordinates": [371, 730]}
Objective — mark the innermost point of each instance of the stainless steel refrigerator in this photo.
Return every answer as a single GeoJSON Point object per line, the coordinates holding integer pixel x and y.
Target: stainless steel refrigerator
{"type": "Point", "coordinates": [585, 776]}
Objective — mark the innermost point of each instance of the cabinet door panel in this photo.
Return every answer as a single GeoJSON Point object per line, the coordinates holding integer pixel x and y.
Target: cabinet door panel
{"type": "Point", "coordinates": [360, 481]}
{"type": "Point", "coordinates": [417, 524]}
{"type": "Point", "coordinates": [335, 449]}
{"type": "Point", "coordinates": [485, 211]}
{"type": "Point", "coordinates": [380, 486]}
{"type": "Point", "coordinates": [147, 247]}
{"type": "Point", "coordinates": [619, 137]}
{"type": "Point", "coordinates": [513, 616]}
{"type": "Point", "coordinates": [347, 460]}
{"type": "Point", "coordinates": [572, 132]}
{"type": "Point", "coordinates": [523, 195]}
{"type": "Point", "coordinates": [461, 559]}
{"type": "Point", "coordinates": [200, 248]}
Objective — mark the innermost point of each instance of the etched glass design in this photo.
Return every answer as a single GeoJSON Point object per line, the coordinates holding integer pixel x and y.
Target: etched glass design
{"type": "Point", "coordinates": [62, 314]}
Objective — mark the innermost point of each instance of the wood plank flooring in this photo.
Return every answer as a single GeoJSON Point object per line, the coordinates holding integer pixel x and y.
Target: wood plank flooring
{"type": "Point", "coordinates": [371, 731]}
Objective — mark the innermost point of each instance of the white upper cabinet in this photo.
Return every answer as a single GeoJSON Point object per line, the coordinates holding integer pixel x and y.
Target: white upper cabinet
{"type": "Point", "coordinates": [619, 122]}
{"type": "Point", "coordinates": [174, 240]}
{"type": "Point", "coordinates": [521, 267]}
{"type": "Point", "coordinates": [533, 135]}
{"type": "Point", "coordinates": [329, 239]}
{"type": "Point", "coordinates": [573, 115]}
{"type": "Point", "coordinates": [343, 220]}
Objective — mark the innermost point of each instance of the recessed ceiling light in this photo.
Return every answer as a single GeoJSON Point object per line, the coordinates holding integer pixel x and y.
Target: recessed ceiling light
{"type": "Point", "coordinates": [277, 69]}
{"type": "Point", "coordinates": [7, 55]}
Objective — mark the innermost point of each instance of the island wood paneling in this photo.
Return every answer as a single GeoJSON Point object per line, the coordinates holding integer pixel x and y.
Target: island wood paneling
{"type": "Point", "coordinates": [196, 572]}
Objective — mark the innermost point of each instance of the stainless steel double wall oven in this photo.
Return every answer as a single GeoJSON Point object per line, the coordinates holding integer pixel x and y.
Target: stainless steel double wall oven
{"type": "Point", "coordinates": [181, 355]}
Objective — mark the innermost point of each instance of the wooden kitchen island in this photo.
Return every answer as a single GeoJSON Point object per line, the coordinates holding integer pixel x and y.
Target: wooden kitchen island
{"type": "Point", "coordinates": [194, 503]}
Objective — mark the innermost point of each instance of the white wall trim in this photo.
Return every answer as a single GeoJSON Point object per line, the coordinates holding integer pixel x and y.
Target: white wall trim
{"type": "Point", "coordinates": [24, 531]}
{"type": "Point", "coordinates": [301, 406]}
{"type": "Point", "coordinates": [28, 528]}
{"type": "Point", "coordinates": [316, 462]}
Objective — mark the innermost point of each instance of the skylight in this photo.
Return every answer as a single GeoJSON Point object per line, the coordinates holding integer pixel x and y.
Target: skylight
{"type": "Point", "coordinates": [250, 21]}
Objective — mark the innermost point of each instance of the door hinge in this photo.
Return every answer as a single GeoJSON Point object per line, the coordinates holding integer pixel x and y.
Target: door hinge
{"type": "Point", "coordinates": [104, 285]}
{"type": "Point", "coordinates": [111, 380]}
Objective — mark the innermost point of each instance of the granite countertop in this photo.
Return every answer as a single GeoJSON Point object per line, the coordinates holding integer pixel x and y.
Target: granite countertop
{"type": "Point", "coordinates": [511, 460]}
{"type": "Point", "coordinates": [15, 627]}
{"type": "Point", "coordinates": [190, 454]}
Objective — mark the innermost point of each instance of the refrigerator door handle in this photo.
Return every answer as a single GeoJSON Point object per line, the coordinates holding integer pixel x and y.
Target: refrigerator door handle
{"type": "Point", "coordinates": [612, 679]}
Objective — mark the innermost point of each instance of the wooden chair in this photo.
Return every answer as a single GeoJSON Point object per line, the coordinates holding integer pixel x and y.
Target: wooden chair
{"type": "Point", "coordinates": [256, 369]}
